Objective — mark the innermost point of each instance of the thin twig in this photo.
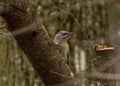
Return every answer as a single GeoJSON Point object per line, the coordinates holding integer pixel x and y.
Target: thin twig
{"type": "Point", "coordinates": [66, 12]}
{"type": "Point", "coordinates": [6, 34]}
{"type": "Point", "coordinates": [3, 26]}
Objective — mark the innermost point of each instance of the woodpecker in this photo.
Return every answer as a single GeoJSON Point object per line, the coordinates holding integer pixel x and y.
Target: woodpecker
{"type": "Point", "coordinates": [61, 39]}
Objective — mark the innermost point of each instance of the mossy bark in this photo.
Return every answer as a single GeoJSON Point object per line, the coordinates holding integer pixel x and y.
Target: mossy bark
{"type": "Point", "coordinates": [35, 42]}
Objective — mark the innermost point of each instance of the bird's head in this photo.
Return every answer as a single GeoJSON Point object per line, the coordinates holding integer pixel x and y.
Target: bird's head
{"type": "Point", "coordinates": [62, 37]}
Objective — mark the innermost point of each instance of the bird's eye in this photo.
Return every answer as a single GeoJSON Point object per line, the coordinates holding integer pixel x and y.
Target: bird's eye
{"type": "Point", "coordinates": [64, 33]}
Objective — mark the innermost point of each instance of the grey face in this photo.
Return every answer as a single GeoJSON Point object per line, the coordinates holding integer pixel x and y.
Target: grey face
{"type": "Point", "coordinates": [62, 36]}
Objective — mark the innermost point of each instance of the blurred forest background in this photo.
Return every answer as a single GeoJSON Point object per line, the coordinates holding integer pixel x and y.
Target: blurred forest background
{"type": "Point", "coordinates": [94, 22]}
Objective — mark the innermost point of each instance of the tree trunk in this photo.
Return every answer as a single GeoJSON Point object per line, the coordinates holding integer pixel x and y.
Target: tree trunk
{"type": "Point", "coordinates": [33, 39]}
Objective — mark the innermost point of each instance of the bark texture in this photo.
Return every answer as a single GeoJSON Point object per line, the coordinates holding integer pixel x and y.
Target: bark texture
{"type": "Point", "coordinates": [22, 22]}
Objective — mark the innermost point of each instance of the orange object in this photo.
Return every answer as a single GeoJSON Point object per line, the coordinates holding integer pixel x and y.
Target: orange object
{"type": "Point", "coordinates": [102, 47]}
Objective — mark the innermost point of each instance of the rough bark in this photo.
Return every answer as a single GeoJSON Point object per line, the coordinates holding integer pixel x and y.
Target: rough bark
{"type": "Point", "coordinates": [32, 38]}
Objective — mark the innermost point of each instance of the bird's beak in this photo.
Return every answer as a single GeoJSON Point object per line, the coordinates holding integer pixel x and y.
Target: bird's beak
{"type": "Point", "coordinates": [71, 33]}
